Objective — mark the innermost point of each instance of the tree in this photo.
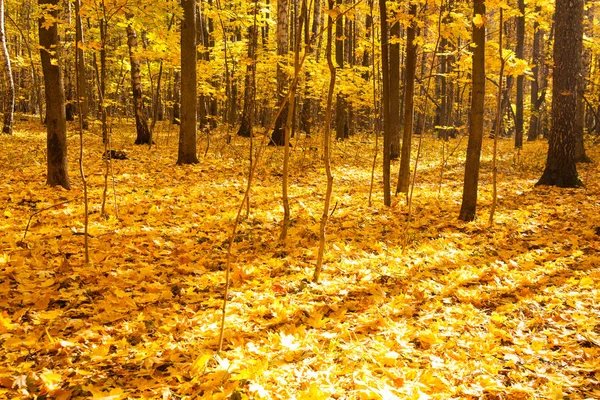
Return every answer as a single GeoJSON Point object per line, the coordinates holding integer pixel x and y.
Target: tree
{"type": "Point", "coordinates": [519, 53]}
{"type": "Point", "coordinates": [245, 129]}
{"type": "Point", "coordinates": [394, 85]}
{"type": "Point", "coordinates": [409, 101]}
{"type": "Point", "coordinates": [387, 131]}
{"type": "Point", "coordinates": [188, 126]}
{"type": "Point", "coordinates": [81, 77]}
{"type": "Point", "coordinates": [10, 95]}
{"type": "Point", "coordinates": [56, 124]}
{"type": "Point", "coordinates": [469, 199]}
{"type": "Point", "coordinates": [561, 168]}
{"type": "Point", "coordinates": [278, 135]}
{"type": "Point", "coordinates": [141, 118]}
{"type": "Point", "coordinates": [341, 107]}
{"type": "Point", "coordinates": [537, 61]}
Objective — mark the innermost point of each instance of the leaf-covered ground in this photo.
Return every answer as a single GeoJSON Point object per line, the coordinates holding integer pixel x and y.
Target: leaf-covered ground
{"type": "Point", "coordinates": [443, 310]}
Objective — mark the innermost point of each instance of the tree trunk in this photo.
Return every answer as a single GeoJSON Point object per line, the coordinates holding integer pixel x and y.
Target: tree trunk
{"type": "Point", "coordinates": [81, 78]}
{"type": "Point", "coordinates": [10, 93]}
{"type": "Point", "coordinates": [469, 199]}
{"type": "Point", "coordinates": [394, 55]}
{"type": "Point", "coordinates": [141, 118]}
{"type": "Point", "coordinates": [245, 129]}
{"type": "Point", "coordinates": [561, 169]}
{"type": "Point", "coordinates": [537, 61]}
{"type": "Point", "coordinates": [188, 127]}
{"type": "Point", "coordinates": [409, 98]}
{"type": "Point", "coordinates": [56, 124]}
{"type": "Point", "coordinates": [176, 98]}
{"type": "Point", "coordinates": [387, 132]}
{"type": "Point", "coordinates": [278, 135]}
{"type": "Point", "coordinates": [519, 53]}
{"type": "Point", "coordinates": [341, 123]}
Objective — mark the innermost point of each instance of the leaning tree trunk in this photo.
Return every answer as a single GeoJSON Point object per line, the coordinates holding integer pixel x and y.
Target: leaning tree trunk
{"type": "Point", "coordinates": [469, 200]}
{"type": "Point", "coordinates": [10, 94]}
{"type": "Point", "coordinates": [141, 117]}
{"type": "Point", "coordinates": [188, 128]}
{"type": "Point", "coordinates": [561, 168]}
{"type": "Point", "coordinates": [56, 124]}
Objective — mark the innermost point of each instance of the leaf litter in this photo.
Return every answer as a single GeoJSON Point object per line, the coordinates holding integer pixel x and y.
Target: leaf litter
{"type": "Point", "coordinates": [461, 310]}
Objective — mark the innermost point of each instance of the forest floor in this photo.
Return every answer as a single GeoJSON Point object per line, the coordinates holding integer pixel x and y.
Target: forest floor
{"type": "Point", "coordinates": [440, 309]}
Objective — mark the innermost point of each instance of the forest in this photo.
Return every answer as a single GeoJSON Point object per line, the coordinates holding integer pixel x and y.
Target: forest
{"type": "Point", "coordinates": [300, 199]}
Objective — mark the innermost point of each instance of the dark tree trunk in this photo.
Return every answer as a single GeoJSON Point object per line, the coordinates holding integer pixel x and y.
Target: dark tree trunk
{"type": "Point", "coordinates": [141, 118]}
{"type": "Point", "coordinates": [245, 129]}
{"type": "Point", "coordinates": [394, 55]}
{"type": "Point", "coordinates": [519, 53]}
{"type": "Point", "coordinates": [309, 106]}
{"type": "Point", "coordinates": [81, 78]}
{"type": "Point", "coordinates": [409, 97]}
{"type": "Point", "coordinates": [10, 93]}
{"type": "Point", "coordinates": [278, 135]}
{"type": "Point", "coordinates": [537, 61]}
{"type": "Point", "coordinates": [341, 123]}
{"type": "Point", "coordinates": [176, 97]}
{"type": "Point", "coordinates": [56, 124]}
{"type": "Point", "coordinates": [188, 127]}
{"type": "Point", "coordinates": [387, 132]}
{"type": "Point", "coordinates": [561, 169]}
{"type": "Point", "coordinates": [469, 200]}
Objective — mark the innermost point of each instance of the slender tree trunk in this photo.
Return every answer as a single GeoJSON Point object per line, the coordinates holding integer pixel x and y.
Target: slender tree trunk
{"type": "Point", "coordinates": [561, 168]}
{"type": "Point", "coordinates": [409, 98]}
{"type": "Point", "coordinates": [278, 135]}
{"type": "Point", "coordinates": [10, 94]}
{"type": "Point", "coordinates": [245, 129]}
{"type": "Point", "coordinates": [387, 131]}
{"type": "Point", "coordinates": [81, 77]}
{"type": "Point", "coordinates": [188, 127]}
{"type": "Point", "coordinates": [469, 200]}
{"type": "Point", "coordinates": [394, 60]}
{"type": "Point", "coordinates": [341, 117]}
{"type": "Point", "coordinates": [537, 62]}
{"type": "Point", "coordinates": [519, 53]}
{"type": "Point", "coordinates": [56, 124]}
{"type": "Point", "coordinates": [141, 117]}
{"type": "Point", "coordinates": [326, 148]}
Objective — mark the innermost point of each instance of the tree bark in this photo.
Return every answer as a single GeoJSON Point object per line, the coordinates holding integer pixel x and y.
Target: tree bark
{"type": "Point", "coordinates": [341, 123]}
{"type": "Point", "coordinates": [394, 60]}
{"type": "Point", "coordinates": [469, 199]}
{"type": "Point", "coordinates": [81, 78]}
{"type": "Point", "coordinates": [56, 124]}
{"type": "Point", "coordinates": [278, 135]}
{"type": "Point", "coordinates": [537, 61]}
{"type": "Point", "coordinates": [561, 169]}
{"type": "Point", "coordinates": [188, 126]}
{"type": "Point", "coordinates": [10, 94]}
{"type": "Point", "coordinates": [519, 53]}
{"type": "Point", "coordinates": [409, 97]}
{"type": "Point", "coordinates": [141, 117]}
{"type": "Point", "coordinates": [245, 129]}
{"type": "Point", "coordinates": [387, 132]}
